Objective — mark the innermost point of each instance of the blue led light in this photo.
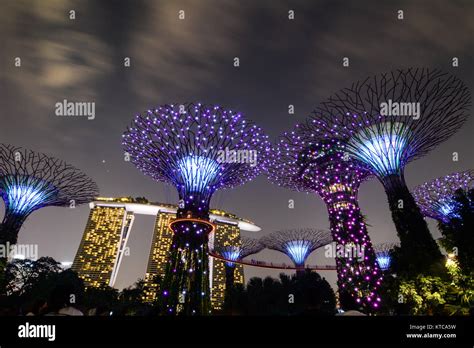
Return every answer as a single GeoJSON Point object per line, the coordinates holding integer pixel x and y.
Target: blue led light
{"type": "Point", "coordinates": [447, 208]}
{"type": "Point", "coordinates": [382, 149]}
{"type": "Point", "coordinates": [197, 172]}
{"type": "Point", "coordinates": [24, 194]}
{"type": "Point", "coordinates": [22, 198]}
{"type": "Point", "coordinates": [437, 198]}
{"type": "Point", "coordinates": [231, 253]}
{"type": "Point", "coordinates": [384, 260]}
{"type": "Point", "coordinates": [298, 251]}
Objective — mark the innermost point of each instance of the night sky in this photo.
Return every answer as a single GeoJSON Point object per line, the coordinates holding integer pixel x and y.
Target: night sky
{"type": "Point", "coordinates": [282, 62]}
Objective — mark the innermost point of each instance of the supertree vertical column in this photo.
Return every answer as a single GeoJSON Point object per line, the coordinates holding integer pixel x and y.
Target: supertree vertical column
{"type": "Point", "coordinates": [248, 246]}
{"type": "Point", "coordinates": [388, 121]}
{"type": "Point", "coordinates": [297, 244]}
{"type": "Point", "coordinates": [30, 181]}
{"type": "Point", "coordinates": [436, 198]}
{"type": "Point", "coordinates": [198, 149]}
{"type": "Point", "coordinates": [306, 161]}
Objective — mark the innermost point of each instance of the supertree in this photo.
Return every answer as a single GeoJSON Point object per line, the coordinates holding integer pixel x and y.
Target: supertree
{"type": "Point", "coordinates": [387, 121]}
{"type": "Point", "coordinates": [450, 201]}
{"type": "Point", "coordinates": [304, 161]}
{"type": "Point", "coordinates": [30, 180]}
{"type": "Point", "coordinates": [436, 198]}
{"type": "Point", "coordinates": [247, 246]}
{"type": "Point", "coordinates": [297, 244]}
{"type": "Point", "coordinates": [384, 253]}
{"type": "Point", "coordinates": [198, 149]}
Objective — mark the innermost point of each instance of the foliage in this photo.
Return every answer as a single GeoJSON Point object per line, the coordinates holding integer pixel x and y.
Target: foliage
{"type": "Point", "coordinates": [130, 300]}
{"type": "Point", "coordinates": [307, 294]}
{"type": "Point", "coordinates": [42, 281]}
{"type": "Point", "coordinates": [428, 295]}
{"type": "Point", "coordinates": [102, 300]}
{"type": "Point", "coordinates": [458, 233]}
{"type": "Point", "coordinates": [22, 274]}
{"type": "Point", "coordinates": [30, 282]}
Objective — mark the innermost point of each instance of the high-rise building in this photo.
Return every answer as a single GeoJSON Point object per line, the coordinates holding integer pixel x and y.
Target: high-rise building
{"type": "Point", "coordinates": [108, 229]}
{"type": "Point", "coordinates": [157, 259]}
{"type": "Point", "coordinates": [225, 235]}
{"type": "Point", "coordinates": [102, 246]}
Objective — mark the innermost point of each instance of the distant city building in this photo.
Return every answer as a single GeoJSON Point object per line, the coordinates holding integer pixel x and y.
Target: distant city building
{"type": "Point", "coordinates": [225, 234]}
{"type": "Point", "coordinates": [108, 228]}
{"type": "Point", "coordinates": [157, 259]}
{"type": "Point", "coordinates": [102, 246]}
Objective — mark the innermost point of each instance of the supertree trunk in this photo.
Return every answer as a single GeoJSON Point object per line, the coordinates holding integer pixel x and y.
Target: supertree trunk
{"type": "Point", "coordinates": [8, 234]}
{"type": "Point", "coordinates": [10, 227]}
{"type": "Point", "coordinates": [185, 287]}
{"type": "Point", "coordinates": [229, 282]}
{"type": "Point", "coordinates": [186, 283]}
{"type": "Point", "coordinates": [300, 270]}
{"type": "Point", "coordinates": [229, 277]}
{"type": "Point", "coordinates": [358, 273]}
{"type": "Point", "coordinates": [418, 250]}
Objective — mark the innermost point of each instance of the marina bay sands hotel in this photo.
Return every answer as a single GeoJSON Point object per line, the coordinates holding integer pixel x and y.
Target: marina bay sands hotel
{"type": "Point", "coordinates": [108, 228]}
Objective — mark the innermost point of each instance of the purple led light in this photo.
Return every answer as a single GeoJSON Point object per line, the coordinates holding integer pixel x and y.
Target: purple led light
{"type": "Point", "coordinates": [305, 160]}
{"type": "Point", "coordinates": [435, 198]}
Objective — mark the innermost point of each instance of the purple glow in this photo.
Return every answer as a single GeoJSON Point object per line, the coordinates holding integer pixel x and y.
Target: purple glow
{"type": "Point", "coordinates": [435, 198]}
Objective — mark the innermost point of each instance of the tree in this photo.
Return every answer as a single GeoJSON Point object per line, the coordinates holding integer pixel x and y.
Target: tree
{"type": "Point", "coordinates": [386, 142]}
{"type": "Point", "coordinates": [312, 295]}
{"type": "Point", "coordinates": [102, 299]}
{"type": "Point", "coordinates": [184, 145]}
{"type": "Point", "coordinates": [458, 232]}
{"type": "Point", "coordinates": [33, 281]}
{"type": "Point", "coordinates": [131, 300]}
{"type": "Point", "coordinates": [23, 274]}
{"type": "Point", "coordinates": [305, 294]}
{"type": "Point", "coordinates": [305, 160]}
{"type": "Point", "coordinates": [30, 181]}
{"type": "Point", "coordinates": [62, 289]}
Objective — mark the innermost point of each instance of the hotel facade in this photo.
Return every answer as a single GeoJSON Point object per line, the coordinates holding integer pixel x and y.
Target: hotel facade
{"type": "Point", "coordinates": [110, 223]}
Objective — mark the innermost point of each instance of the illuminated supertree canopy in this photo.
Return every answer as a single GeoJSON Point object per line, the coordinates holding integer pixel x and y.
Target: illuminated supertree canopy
{"type": "Point", "coordinates": [383, 253]}
{"type": "Point", "coordinates": [30, 180]}
{"type": "Point", "coordinates": [303, 160]}
{"type": "Point", "coordinates": [436, 198]}
{"type": "Point", "coordinates": [247, 246]}
{"type": "Point", "coordinates": [297, 244]}
{"type": "Point", "coordinates": [387, 121]}
{"type": "Point", "coordinates": [198, 149]}
{"type": "Point", "coordinates": [186, 146]}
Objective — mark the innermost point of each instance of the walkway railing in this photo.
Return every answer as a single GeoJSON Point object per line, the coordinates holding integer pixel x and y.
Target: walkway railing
{"type": "Point", "coordinates": [264, 264]}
